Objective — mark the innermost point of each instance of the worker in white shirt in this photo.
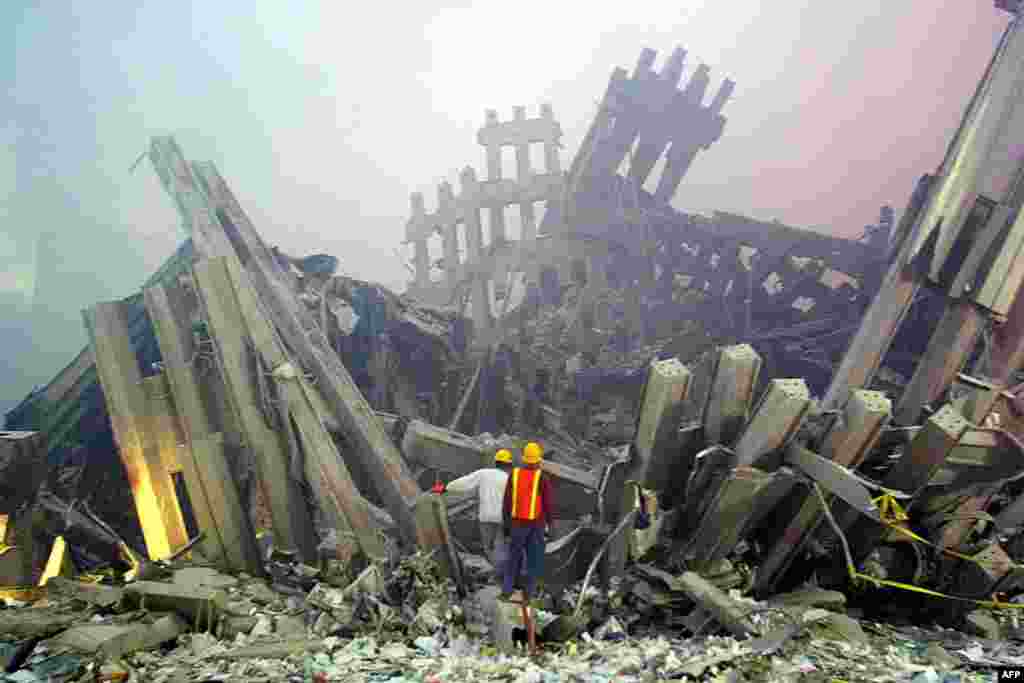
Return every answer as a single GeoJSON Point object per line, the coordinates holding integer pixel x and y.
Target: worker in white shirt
{"type": "Point", "coordinates": [489, 484]}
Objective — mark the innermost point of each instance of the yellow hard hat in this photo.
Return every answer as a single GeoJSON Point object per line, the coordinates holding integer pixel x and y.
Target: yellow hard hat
{"type": "Point", "coordinates": [504, 455]}
{"type": "Point", "coordinates": [533, 453]}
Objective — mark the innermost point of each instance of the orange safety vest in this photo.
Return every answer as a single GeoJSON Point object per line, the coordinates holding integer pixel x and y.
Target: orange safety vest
{"type": "Point", "coordinates": [525, 494]}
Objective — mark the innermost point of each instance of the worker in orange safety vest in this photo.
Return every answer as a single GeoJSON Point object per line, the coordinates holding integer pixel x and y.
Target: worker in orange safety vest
{"type": "Point", "coordinates": [527, 520]}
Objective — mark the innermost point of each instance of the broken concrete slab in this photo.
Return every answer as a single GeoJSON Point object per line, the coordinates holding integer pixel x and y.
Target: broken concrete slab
{"type": "Point", "coordinates": [811, 597]}
{"type": "Point", "coordinates": [444, 449]}
{"type": "Point", "coordinates": [574, 490]}
{"type": "Point", "coordinates": [369, 581]}
{"type": "Point", "coordinates": [230, 626]}
{"type": "Point", "coordinates": [261, 593]}
{"type": "Point", "coordinates": [92, 593]}
{"type": "Point", "coordinates": [115, 641]}
{"type": "Point", "coordinates": [91, 637]}
{"type": "Point", "coordinates": [832, 626]}
{"type": "Point", "coordinates": [39, 622]}
{"type": "Point", "coordinates": [709, 598]}
{"type": "Point", "coordinates": [203, 577]}
{"type": "Point", "coordinates": [279, 650]}
{"type": "Point", "coordinates": [199, 605]}
{"type": "Point", "coordinates": [290, 627]}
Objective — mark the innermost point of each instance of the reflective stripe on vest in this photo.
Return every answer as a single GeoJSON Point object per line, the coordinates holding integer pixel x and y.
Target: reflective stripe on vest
{"type": "Point", "coordinates": [525, 494]}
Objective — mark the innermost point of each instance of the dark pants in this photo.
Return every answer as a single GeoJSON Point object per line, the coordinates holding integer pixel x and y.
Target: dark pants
{"type": "Point", "coordinates": [528, 540]}
{"type": "Point", "coordinates": [495, 546]}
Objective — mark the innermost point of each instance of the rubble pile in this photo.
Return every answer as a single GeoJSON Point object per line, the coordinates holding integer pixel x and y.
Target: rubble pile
{"type": "Point", "coordinates": [550, 333]}
{"type": "Point", "coordinates": [284, 435]}
{"type": "Point", "coordinates": [405, 623]}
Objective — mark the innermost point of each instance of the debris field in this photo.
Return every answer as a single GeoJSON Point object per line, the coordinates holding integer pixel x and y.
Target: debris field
{"type": "Point", "coordinates": [775, 455]}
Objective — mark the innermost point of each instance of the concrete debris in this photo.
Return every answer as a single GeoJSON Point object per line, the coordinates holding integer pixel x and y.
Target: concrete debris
{"type": "Point", "coordinates": [359, 634]}
{"type": "Point", "coordinates": [811, 597]}
{"type": "Point", "coordinates": [277, 437]}
{"type": "Point", "coordinates": [92, 593]}
{"type": "Point", "coordinates": [824, 643]}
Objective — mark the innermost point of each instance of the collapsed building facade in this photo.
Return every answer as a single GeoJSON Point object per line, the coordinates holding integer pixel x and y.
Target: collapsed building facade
{"type": "Point", "coordinates": [246, 391]}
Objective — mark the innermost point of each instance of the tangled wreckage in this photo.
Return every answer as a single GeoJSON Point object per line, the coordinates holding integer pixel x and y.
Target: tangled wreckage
{"type": "Point", "coordinates": [252, 414]}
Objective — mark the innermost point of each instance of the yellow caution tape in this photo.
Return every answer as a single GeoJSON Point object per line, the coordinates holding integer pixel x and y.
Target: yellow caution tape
{"type": "Point", "coordinates": [90, 578]}
{"type": "Point", "coordinates": [889, 509]}
{"type": "Point", "coordinates": [995, 604]}
{"type": "Point", "coordinates": [891, 514]}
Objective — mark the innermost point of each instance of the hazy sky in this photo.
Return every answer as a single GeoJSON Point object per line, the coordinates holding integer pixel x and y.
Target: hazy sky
{"type": "Point", "coordinates": [324, 116]}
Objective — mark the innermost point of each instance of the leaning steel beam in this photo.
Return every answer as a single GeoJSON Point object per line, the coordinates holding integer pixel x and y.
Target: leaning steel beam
{"type": "Point", "coordinates": [964, 240]}
{"type": "Point", "coordinates": [152, 487]}
{"type": "Point", "coordinates": [228, 535]}
{"type": "Point", "coordinates": [656, 442]}
{"type": "Point", "coordinates": [954, 340]}
{"type": "Point", "coordinates": [732, 389]}
{"type": "Point", "coordinates": [1005, 357]}
{"type": "Point", "coordinates": [877, 330]}
{"type": "Point", "coordinates": [921, 459]}
{"type": "Point", "coordinates": [728, 514]}
{"type": "Point", "coordinates": [301, 332]}
{"type": "Point", "coordinates": [372, 445]}
{"type": "Point", "coordinates": [833, 478]}
{"type": "Point", "coordinates": [889, 306]}
{"type": "Point", "coordinates": [774, 423]}
{"type": "Point", "coordinates": [326, 472]}
{"type": "Point", "coordinates": [289, 517]}
{"type": "Point", "coordinates": [928, 451]}
{"type": "Point", "coordinates": [167, 426]}
{"type": "Point", "coordinates": [846, 444]}
{"type": "Point", "coordinates": [975, 471]}
{"type": "Point", "coordinates": [657, 434]}
{"type": "Point", "coordinates": [850, 439]}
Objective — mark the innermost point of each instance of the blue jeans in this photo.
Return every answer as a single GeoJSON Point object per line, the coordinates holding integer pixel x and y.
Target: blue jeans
{"type": "Point", "coordinates": [528, 540]}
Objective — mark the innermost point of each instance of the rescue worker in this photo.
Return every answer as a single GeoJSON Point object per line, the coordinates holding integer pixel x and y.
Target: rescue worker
{"type": "Point", "coordinates": [489, 485]}
{"type": "Point", "coordinates": [527, 518]}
